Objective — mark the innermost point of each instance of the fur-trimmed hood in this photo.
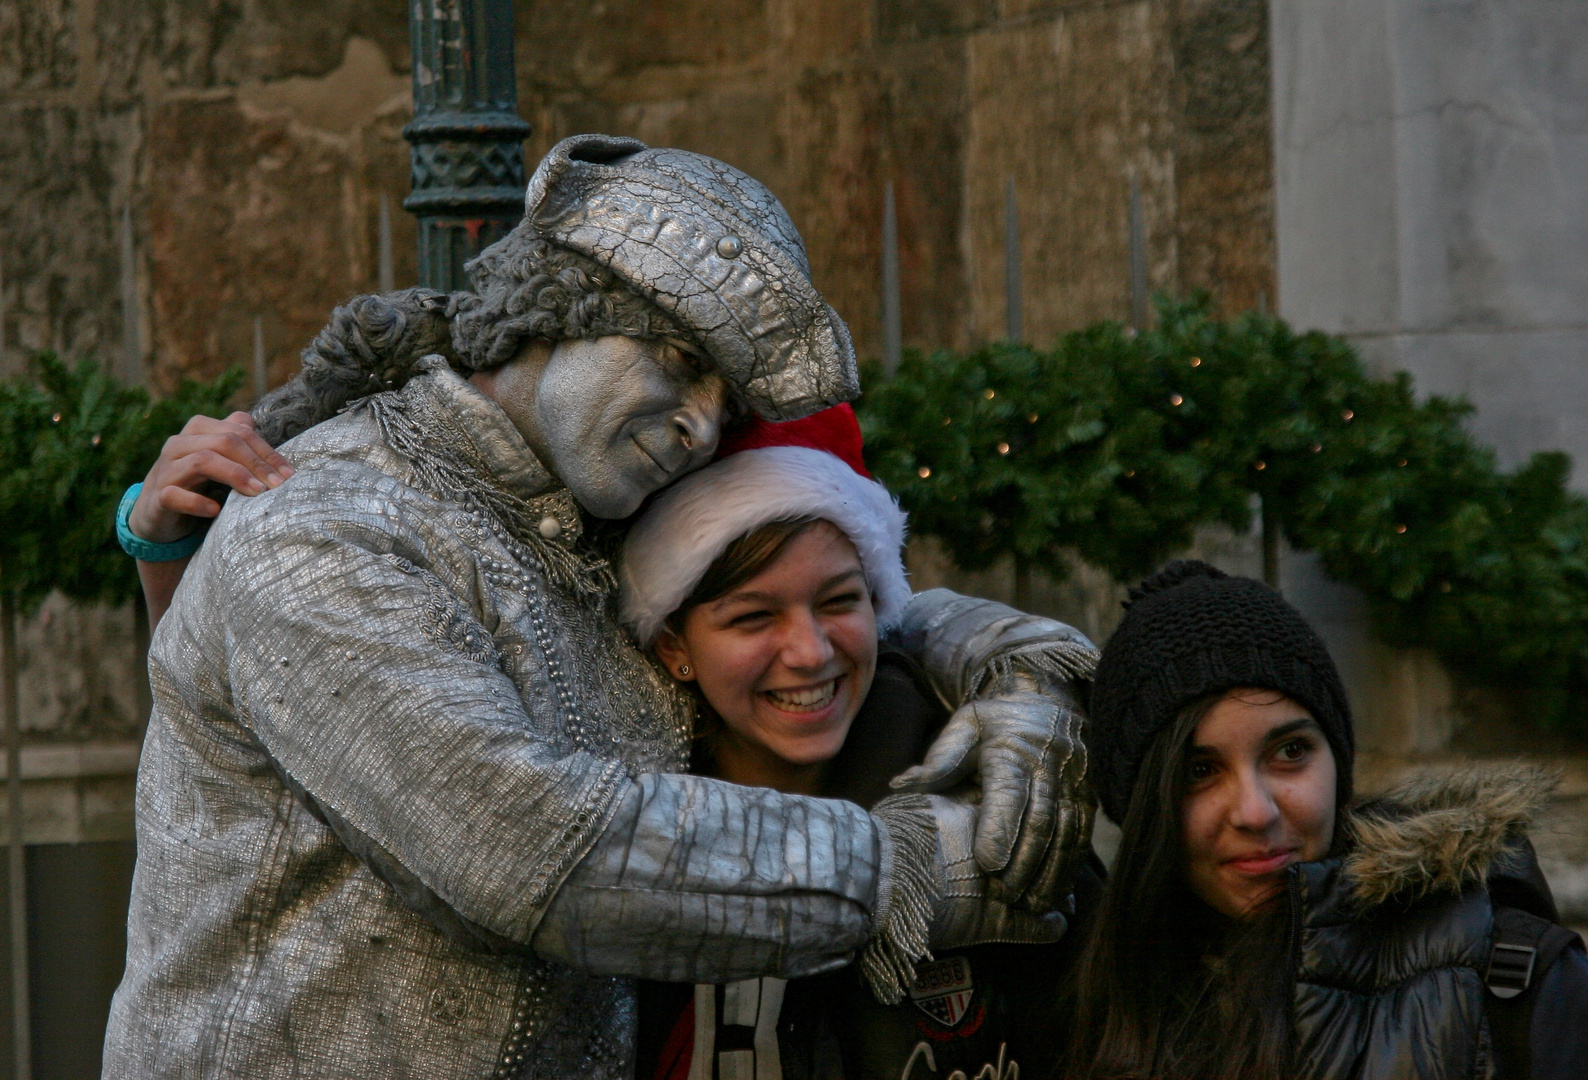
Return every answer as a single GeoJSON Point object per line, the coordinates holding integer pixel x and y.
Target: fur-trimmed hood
{"type": "Point", "coordinates": [1396, 935]}
{"type": "Point", "coordinates": [1440, 832]}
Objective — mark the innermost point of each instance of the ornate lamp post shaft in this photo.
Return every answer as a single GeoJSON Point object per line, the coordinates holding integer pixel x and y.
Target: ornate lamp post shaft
{"type": "Point", "coordinates": [468, 154]}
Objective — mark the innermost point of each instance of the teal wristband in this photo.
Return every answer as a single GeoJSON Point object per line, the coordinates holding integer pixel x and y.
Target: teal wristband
{"type": "Point", "coordinates": [142, 549]}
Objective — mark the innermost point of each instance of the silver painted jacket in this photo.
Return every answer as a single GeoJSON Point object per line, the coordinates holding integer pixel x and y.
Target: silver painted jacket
{"type": "Point", "coordinates": [410, 802]}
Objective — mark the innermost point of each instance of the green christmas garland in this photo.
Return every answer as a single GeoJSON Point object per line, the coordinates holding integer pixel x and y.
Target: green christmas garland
{"type": "Point", "coordinates": [71, 440]}
{"type": "Point", "coordinates": [1109, 446]}
{"type": "Point", "coordinates": [1116, 447]}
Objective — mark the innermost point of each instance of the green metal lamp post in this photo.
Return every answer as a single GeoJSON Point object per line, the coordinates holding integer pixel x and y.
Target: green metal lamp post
{"type": "Point", "coordinates": [468, 155]}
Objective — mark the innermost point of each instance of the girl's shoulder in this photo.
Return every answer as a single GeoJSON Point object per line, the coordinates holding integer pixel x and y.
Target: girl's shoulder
{"type": "Point", "coordinates": [1444, 832]}
{"type": "Point", "coordinates": [1422, 870]}
{"type": "Point", "coordinates": [1436, 876]}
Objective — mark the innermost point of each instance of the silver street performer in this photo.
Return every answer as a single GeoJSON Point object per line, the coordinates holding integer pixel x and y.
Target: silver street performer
{"type": "Point", "coordinates": [412, 805]}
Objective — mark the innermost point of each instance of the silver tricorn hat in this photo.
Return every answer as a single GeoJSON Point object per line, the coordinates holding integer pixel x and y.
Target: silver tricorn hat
{"type": "Point", "coordinates": [713, 248]}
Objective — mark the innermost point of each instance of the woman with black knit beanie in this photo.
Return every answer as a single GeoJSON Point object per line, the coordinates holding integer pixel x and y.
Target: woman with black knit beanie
{"type": "Point", "coordinates": [1258, 925]}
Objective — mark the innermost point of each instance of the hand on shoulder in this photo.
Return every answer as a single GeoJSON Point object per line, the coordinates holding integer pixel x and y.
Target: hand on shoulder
{"type": "Point", "coordinates": [207, 452]}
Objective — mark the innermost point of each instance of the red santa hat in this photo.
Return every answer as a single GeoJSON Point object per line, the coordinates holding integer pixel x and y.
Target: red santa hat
{"type": "Point", "coordinates": [765, 472]}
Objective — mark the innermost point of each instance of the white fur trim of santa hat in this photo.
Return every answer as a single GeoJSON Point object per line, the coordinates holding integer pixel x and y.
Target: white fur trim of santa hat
{"type": "Point", "coordinates": [692, 522]}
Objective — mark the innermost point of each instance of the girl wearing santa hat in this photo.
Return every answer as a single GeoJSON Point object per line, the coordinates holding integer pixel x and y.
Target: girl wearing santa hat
{"type": "Point", "coordinates": [766, 581]}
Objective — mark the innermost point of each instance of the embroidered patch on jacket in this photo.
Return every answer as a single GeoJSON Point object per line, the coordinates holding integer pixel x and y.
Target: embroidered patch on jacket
{"type": "Point", "coordinates": [446, 620]}
{"type": "Point", "coordinates": [943, 989]}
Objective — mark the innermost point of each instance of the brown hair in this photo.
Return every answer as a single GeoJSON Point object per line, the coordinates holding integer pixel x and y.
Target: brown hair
{"type": "Point", "coordinates": [744, 559]}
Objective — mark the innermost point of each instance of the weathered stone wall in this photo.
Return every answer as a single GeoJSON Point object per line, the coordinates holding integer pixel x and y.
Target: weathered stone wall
{"type": "Point", "coordinates": [827, 101]}
{"type": "Point", "coordinates": [248, 147]}
{"type": "Point", "coordinates": [1432, 208]}
{"type": "Point", "coordinates": [84, 700]}
{"type": "Point", "coordinates": [171, 170]}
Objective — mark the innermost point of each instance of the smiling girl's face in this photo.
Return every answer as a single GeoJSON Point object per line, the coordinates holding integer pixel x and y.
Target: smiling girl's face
{"type": "Point", "coordinates": [1260, 795]}
{"type": "Point", "coordinates": [786, 658]}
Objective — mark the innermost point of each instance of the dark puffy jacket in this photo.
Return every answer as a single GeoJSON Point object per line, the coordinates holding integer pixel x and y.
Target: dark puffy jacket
{"type": "Point", "coordinates": [1394, 941]}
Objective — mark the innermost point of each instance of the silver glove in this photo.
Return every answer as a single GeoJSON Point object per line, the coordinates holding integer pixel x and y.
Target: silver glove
{"type": "Point", "coordinates": [966, 913]}
{"type": "Point", "coordinates": [1026, 740]}
{"type": "Point", "coordinates": [1021, 734]}
{"type": "Point", "coordinates": [932, 895]}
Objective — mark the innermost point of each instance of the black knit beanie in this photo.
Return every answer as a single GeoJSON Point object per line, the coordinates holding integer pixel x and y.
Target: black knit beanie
{"type": "Point", "coordinates": [1191, 630]}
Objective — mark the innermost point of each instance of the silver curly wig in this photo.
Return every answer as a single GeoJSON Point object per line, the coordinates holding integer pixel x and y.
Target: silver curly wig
{"type": "Point", "coordinates": [372, 343]}
{"type": "Point", "coordinates": [527, 288]}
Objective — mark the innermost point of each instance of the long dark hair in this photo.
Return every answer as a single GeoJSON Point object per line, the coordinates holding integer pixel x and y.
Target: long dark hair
{"type": "Point", "coordinates": [1168, 989]}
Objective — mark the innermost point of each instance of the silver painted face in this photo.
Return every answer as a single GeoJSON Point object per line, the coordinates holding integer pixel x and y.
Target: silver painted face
{"type": "Point", "coordinates": [615, 418]}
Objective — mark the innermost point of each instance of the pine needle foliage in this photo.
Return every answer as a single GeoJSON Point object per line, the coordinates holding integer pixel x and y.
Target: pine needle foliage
{"type": "Point", "coordinates": [72, 439]}
{"type": "Point", "coordinates": [1116, 447]}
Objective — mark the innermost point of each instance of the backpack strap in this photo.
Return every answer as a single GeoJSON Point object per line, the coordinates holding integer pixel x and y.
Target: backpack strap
{"type": "Point", "coordinates": [1524, 948]}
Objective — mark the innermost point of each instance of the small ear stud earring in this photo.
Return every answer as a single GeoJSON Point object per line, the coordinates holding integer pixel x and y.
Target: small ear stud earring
{"type": "Point", "coordinates": [683, 671]}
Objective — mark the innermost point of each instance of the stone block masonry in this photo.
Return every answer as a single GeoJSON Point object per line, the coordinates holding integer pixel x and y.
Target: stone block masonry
{"type": "Point", "coordinates": [246, 149]}
{"type": "Point", "coordinates": [249, 147]}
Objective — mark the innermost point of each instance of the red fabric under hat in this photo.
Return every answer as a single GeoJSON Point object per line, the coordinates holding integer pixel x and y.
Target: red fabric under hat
{"type": "Point", "coordinates": [835, 430]}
